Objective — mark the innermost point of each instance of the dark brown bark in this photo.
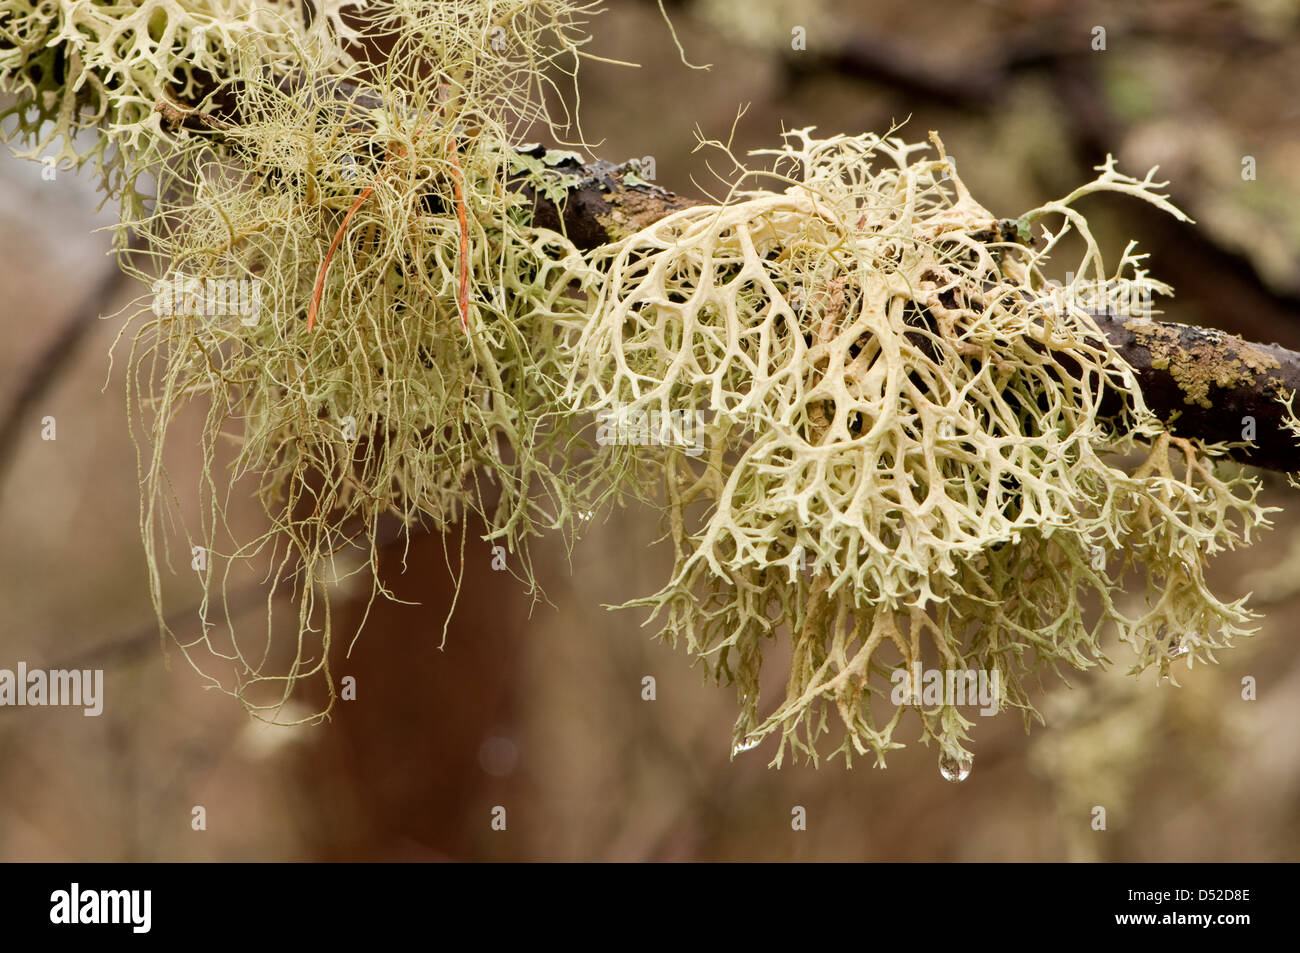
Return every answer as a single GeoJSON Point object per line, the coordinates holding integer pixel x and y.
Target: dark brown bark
{"type": "Point", "coordinates": [1207, 384]}
{"type": "Point", "coordinates": [601, 207]}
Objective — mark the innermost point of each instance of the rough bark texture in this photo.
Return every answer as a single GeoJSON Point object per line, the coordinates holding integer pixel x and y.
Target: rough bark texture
{"type": "Point", "coordinates": [1208, 384]}
{"type": "Point", "coordinates": [602, 207]}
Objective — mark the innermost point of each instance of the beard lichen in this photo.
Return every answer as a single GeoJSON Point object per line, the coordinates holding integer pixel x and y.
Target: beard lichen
{"type": "Point", "coordinates": [919, 453]}
{"type": "Point", "coordinates": [400, 344]}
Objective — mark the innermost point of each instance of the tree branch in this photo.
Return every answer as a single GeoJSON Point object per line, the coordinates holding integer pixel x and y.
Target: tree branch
{"type": "Point", "coordinates": [1200, 382]}
{"type": "Point", "coordinates": [1216, 386]}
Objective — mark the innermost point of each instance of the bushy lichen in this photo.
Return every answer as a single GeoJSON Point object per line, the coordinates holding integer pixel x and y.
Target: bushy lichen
{"type": "Point", "coordinates": [908, 462]}
{"type": "Point", "coordinates": [117, 67]}
{"type": "Point", "coordinates": [409, 340]}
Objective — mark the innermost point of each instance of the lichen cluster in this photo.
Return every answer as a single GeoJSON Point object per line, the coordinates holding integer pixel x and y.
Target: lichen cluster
{"type": "Point", "coordinates": [341, 282]}
{"type": "Point", "coordinates": [74, 65]}
{"type": "Point", "coordinates": [919, 452]}
{"type": "Point", "coordinates": [916, 451]}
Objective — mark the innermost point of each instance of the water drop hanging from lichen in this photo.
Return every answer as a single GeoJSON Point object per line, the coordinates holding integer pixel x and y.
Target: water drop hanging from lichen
{"type": "Point", "coordinates": [955, 768]}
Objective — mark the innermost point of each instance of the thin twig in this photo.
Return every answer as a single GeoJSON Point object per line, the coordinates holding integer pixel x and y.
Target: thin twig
{"type": "Point", "coordinates": [458, 184]}
{"type": "Point", "coordinates": [329, 256]}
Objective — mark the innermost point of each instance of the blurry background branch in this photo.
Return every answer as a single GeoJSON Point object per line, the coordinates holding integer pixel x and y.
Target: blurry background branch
{"type": "Point", "coordinates": [54, 360]}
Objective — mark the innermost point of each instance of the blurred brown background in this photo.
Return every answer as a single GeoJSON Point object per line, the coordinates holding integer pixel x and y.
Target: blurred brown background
{"type": "Point", "coordinates": [542, 713]}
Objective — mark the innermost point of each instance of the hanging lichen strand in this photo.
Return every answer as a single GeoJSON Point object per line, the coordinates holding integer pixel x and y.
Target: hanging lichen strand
{"type": "Point", "coordinates": [358, 305]}
{"type": "Point", "coordinates": [916, 452]}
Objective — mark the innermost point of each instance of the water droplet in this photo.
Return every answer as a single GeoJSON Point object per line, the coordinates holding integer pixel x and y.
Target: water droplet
{"type": "Point", "coordinates": [955, 769]}
{"type": "Point", "coordinates": [1176, 648]}
{"type": "Point", "coordinates": [745, 744]}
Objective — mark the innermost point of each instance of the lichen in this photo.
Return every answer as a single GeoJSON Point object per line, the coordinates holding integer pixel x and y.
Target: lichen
{"type": "Point", "coordinates": [632, 208]}
{"type": "Point", "coordinates": [905, 461]}
{"type": "Point", "coordinates": [1209, 358]}
{"type": "Point", "coordinates": [120, 67]}
{"type": "Point", "coordinates": [405, 361]}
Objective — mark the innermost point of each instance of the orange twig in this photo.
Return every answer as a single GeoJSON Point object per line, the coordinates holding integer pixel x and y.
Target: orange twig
{"type": "Point", "coordinates": [458, 184]}
{"type": "Point", "coordinates": [458, 181]}
{"type": "Point", "coordinates": [329, 255]}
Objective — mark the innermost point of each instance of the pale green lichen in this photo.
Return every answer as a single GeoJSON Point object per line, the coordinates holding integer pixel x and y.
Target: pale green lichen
{"type": "Point", "coordinates": [115, 67]}
{"type": "Point", "coordinates": [906, 461]}
{"type": "Point", "coordinates": [388, 409]}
